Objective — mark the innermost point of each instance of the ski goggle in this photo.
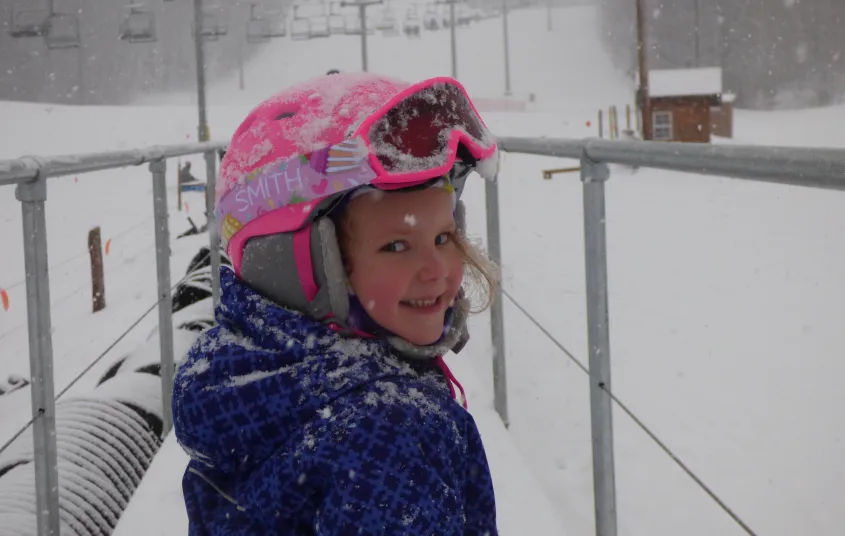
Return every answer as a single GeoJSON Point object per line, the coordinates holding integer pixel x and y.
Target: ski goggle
{"type": "Point", "coordinates": [417, 134]}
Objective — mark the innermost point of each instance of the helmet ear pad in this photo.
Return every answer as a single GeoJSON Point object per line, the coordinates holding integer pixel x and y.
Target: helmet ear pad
{"type": "Point", "coordinates": [311, 281]}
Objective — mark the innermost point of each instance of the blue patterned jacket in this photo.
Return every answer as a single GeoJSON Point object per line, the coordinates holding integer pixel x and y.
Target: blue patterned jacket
{"type": "Point", "coordinates": [295, 430]}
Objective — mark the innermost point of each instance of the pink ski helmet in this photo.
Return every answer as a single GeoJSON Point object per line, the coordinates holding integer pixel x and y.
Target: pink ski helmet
{"type": "Point", "coordinates": [298, 154]}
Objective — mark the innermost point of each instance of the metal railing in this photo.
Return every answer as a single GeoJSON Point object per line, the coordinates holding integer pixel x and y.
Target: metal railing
{"type": "Point", "coordinates": [820, 168]}
{"type": "Point", "coordinates": [817, 168]}
{"type": "Point", "coordinates": [30, 174]}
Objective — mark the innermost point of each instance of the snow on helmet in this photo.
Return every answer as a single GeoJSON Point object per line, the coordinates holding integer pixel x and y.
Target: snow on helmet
{"type": "Point", "coordinates": [298, 154]}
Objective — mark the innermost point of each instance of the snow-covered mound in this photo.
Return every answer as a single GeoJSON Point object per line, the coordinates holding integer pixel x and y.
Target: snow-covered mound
{"type": "Point", "coordinates": [104, 444]}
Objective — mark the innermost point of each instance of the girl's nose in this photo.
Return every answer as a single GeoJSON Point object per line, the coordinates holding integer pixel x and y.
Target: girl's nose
{"type": "Point", "coordinates": [434, 266]}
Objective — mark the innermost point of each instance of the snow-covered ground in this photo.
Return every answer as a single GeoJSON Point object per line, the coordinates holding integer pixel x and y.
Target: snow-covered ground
{"type": "Point", "coordinates": [725, 296]}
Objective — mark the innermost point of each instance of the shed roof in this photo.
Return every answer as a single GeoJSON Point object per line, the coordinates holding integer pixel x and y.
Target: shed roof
{"type": "Point", "coordinates": [685, 82]}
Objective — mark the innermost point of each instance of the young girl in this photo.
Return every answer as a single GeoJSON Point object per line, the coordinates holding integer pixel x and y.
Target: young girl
{"type": "Point", "coordinates": [321, 403]}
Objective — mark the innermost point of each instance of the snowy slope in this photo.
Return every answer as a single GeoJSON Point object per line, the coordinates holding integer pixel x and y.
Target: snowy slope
{"type": "Point", "coordinates": [725, 296]}
{"type": "Point", "coordinates": [566, 69]}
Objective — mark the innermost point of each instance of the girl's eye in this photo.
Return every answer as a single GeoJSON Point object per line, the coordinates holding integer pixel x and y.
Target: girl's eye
{"type": "Point", "coordinates": [397, 246]}
{"type": "Point", "coordinates": [443, 238]}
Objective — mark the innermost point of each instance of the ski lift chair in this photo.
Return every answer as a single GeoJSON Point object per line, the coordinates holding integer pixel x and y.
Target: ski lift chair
{"type": "Point", "coordinates": [138, 26]}
{"type": "Point", "coordinates": [393, 31]}
{"type": "Point", "coordinates": [28, 23]}
{"type": "Point", "coordinates": [258, 30]}
{"type": "Point", "coordinates": [431, 19]}
{"type": "Point", "coordinates": [352, 25]}
{"type": "Point", "coordinates": [388, 25]}
{"type": "Point", "coordinates": [387, 21]}
{"type": "Point", "coordinates": [412, 25]}
{"type": "Point", "coordinates": [210, 28]}
{"type": "Point", "coordinates": [62, 31]}
{"type": "Point", "coordinates": [412, 30]}
{"type": "Point", "coordinates": [319, 28]}
{"type": "Point", "coordinates": [278, 27]}
{"type": "Point", "coordinates": [337, 24]}
{"type": "Point", "coordinates": [300, 29]}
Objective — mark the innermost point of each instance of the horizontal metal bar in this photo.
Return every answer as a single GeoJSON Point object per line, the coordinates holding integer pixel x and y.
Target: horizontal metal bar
{"type": "Point", "coordinates": [798, 166]}
{"type": "Point", "coordinates": [543, 146]}
{"type": "Point", "coordinates": [28, 168]}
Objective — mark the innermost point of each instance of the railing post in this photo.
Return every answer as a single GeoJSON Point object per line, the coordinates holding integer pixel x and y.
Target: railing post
{"type": "Point", "coordinates": [32, 196]}
{"type": "Point", "coordinates": [213, 238]}
{"type": "Point", "coordinates": [497, 318]}
{"type": "Point", "coordinates": [593, 176]}
{"type": "Point", "coordinates": [165, 304]}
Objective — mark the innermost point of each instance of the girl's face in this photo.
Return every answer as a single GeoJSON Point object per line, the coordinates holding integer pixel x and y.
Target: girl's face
{"type": "Point", "coordinates": [403, 263]}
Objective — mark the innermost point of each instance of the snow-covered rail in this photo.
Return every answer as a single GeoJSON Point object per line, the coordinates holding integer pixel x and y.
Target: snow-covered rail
{"type": "Point", "coordinates": [809, 167]}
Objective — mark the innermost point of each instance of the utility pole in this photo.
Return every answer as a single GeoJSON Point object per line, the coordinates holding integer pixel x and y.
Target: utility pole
{"type": "Point", "coordinates": [697, 34]}
{"type": "Point", "coordinates": [507, 47]}
{"type": "Point", "coordinates": [202, 128]}
{"type": "Point", "coordinates": [642, 92]}
{"type": "Point", "coordinates": [80, 73]}
{"type": "Point", "coordinates": [452, 34]}
{"type": "Point", "coordinates": [240, 65]}
{"type": "Point", "coordinates": [549, 15]}
{"type": "Point", "coordinates": [362, 6]}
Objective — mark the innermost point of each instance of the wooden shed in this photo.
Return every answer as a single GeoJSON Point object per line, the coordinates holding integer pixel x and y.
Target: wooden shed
{"type": "Point", "coordinates": [680, 104]}
{"type": "Point", "coordinates": [722, 117]}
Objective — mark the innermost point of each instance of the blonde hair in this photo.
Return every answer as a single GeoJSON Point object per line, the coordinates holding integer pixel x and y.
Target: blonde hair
{"type": "Point", "coordinates": [480, 273]}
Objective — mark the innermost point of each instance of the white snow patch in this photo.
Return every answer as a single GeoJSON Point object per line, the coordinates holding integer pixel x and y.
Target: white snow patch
{"type": "Point", "coordinates": [259, 151]}
{"type": "Point", "coordinates": [489, 167]}
{"type": "Point", "coordinates": [258, 375]}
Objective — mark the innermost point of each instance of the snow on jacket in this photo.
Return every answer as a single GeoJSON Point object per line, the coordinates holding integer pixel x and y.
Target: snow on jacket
{"type": "Point", "coordinates": [293, 429]}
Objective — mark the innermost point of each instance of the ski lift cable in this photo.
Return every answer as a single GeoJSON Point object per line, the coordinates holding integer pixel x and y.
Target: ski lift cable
{"type": "Point", "coordinates": [636, 419]}
{"type": "Point", "coordinates": [84, 254]}
{"type": "Point", "coordinates": [75, 291]}
{"type": "Point", "coordinates": [99, 358]}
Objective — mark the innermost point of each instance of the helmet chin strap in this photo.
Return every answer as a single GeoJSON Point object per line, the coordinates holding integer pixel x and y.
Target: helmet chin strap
{"type": "Point", "coordinates": [454, 339]}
